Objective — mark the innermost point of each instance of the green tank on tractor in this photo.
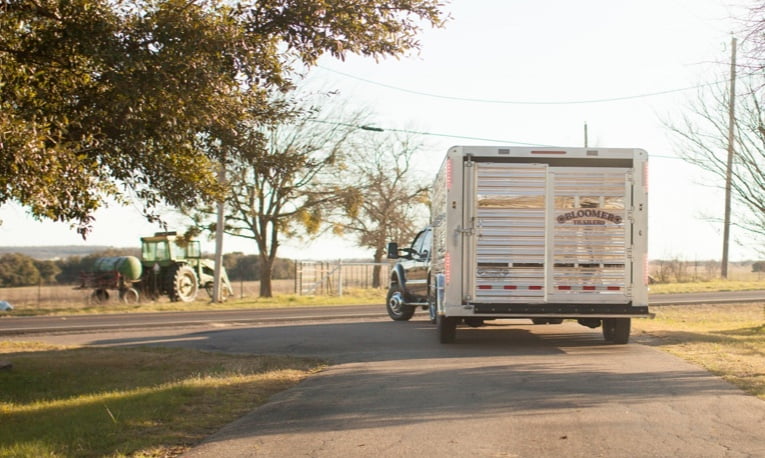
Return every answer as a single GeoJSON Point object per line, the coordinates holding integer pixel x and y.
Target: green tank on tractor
{"type": "Point", "coordinates": [173, 266]}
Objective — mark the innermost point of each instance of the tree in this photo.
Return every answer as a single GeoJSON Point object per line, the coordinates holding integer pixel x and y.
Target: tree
{"type": "Point", "coordinates": [18, 270]}
{"type": "Point", "coordinates": [703, 141]}
{"type": "Point", "coordinates": [279, 180]}
{"type": "Point", "coordinates": [118, 99]}
{"type": "Point", "coordinates": [384, 202]}
{"type": "Point", "coordinates": [48, 270]}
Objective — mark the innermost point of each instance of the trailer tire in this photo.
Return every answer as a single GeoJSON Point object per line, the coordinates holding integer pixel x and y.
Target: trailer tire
{"type": "Point", "coordinates": [397, 308]}
{"type": "Point", "coordinates": [129, 296]}
{"type": "Point", "coordinates": [447, 329]}
{"type": "Point", "coordinates": [617, 330]}
{"type": "Point", "coordinates": [100, 296]}
{"type": "Point", "coordinates": [183, 283]}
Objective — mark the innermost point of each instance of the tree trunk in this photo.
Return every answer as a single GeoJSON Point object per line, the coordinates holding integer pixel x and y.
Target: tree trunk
{"type": "Point", "coordinates": [266, 268]}
{"type": "Point", "coordinates": [376, 271]}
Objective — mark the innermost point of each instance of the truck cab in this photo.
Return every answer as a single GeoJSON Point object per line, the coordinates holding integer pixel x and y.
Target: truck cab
{"type": "Point", "coordinates": [409, 283]}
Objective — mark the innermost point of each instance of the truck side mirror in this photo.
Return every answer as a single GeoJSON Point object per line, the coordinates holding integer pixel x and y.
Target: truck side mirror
{"type": "Point", "coordinates": [392, 250]}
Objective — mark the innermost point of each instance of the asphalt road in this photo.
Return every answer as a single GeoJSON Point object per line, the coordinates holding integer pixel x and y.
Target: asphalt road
{"type": "Point", "coordinates": [510, 389]}
{"type": "Point", "coordinates": [83, 323]}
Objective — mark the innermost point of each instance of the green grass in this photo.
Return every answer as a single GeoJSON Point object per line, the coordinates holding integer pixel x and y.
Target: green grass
{"type": "Point", "coordinates": [728, 339]}
{"type": "Point", "coordinates": [61, 401]}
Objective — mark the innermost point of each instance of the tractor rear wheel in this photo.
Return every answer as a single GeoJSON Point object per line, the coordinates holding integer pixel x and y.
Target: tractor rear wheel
{"type": "Point", "coordinates": [182, 283]}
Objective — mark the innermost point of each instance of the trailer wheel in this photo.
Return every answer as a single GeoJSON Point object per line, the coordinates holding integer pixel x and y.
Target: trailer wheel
{"type": "Point", "coordinates": [183, 284]}
{"type": "Point", "coordinates": [397, 308]}
{"type": "Point", "coordinates": [99, 296]}
{"type": "Point", "coordinates": [447, 329]}
{"type": "Point", "coordinates": [129, 296]}
{"type": "Point", "coordinates": [617, 330]}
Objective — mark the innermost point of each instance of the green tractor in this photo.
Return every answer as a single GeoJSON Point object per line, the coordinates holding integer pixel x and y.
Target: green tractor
{"type": "Point", "coordinates": [173, 266]}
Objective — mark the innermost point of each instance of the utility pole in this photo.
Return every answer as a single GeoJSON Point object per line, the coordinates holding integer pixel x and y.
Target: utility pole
{"type": "Point", "coordinates": [220, 223]}
{"type": "Point", "coordinates": [728, 171]}
{"type": "Point", "coordinates": [585, 135]}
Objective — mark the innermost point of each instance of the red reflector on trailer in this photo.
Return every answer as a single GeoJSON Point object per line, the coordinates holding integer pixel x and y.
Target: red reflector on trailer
{"type": "Point", "coordinates": [614, 288]}
{"type": "Point", "coordinates": [564, 288]}
{"type": "Point", "coordinates": [484, 286]}
{"type": "Point", "coordinates": [510, 287]}
{"type": "Point", "coordinates": [548, 152]}
{"type": "Point", "coordinates": [535, 287]}
{"type": "Point", "coordinates": [588, 288]}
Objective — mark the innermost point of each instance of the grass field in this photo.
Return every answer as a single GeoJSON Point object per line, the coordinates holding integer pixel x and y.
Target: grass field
{"type": "Point", "coordinates": [61, 402]}
{"type": "Point", "coordinates": [726, 339]}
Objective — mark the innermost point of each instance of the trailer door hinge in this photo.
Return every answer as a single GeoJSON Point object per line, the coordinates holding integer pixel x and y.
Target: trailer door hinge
{"type": "Point", "coordinates": [468, 231]}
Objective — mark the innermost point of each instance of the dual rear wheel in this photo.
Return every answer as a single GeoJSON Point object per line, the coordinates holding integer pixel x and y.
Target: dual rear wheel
{"type": "Point", "coordinates": [617, 330]}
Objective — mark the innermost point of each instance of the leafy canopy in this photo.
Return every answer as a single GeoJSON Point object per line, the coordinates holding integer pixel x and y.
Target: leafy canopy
{"type": "Point", "coordinates": [121, 98]}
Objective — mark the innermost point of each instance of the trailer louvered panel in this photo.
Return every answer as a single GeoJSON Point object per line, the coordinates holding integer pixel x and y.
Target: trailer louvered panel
{"type": "Point", "coordinates": [510, 232]}
{"type": "Point", "coordinates": [590, 234]}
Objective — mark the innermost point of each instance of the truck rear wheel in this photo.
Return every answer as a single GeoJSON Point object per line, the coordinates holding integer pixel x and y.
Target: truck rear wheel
{"type": "Point", "coordinates": [397, 308]}
{"type": "Point", "coordinates": [447, 329]}
{"type": "Point", "coordinates": [617, 330]}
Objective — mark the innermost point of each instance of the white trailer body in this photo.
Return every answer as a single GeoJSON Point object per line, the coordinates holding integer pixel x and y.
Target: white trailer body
{"type": "Point", "coordinates": [540, 233]}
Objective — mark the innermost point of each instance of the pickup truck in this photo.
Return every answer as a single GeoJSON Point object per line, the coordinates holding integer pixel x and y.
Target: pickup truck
{"type": "Point", "coordinates": [409, 285]}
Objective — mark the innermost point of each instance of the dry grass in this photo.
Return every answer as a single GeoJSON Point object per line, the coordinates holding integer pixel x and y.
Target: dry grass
{"type": "Point", "coordinates": [65, 301]}
{"type": "Point", "coordinates": [66, 401]}
{"type": "Point", "coordinates": [708, 286]}
{"type": "Point", "coordinates": [726, 339]}
{"type": "Point", "coordinates": [51, 297]}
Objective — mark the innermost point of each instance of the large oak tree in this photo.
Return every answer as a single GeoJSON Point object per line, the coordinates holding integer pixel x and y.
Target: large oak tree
{"type": "Point", "coordinates": [118, 98]}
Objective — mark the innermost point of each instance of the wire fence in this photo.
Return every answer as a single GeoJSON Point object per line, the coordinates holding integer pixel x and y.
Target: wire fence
{"type": "Point", "coordinates": [332, 278]}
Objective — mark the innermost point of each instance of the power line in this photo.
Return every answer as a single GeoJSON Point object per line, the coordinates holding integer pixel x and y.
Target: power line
{"type": "Point", "coordinates": [516, 102]}
{"type": "Point", "coordinates": [432, 134]}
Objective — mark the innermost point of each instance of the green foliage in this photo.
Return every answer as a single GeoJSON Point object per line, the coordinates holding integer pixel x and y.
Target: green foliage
{"type": "Point", "coordinates": [18, 270]}
{"type": "Point", "coordinates": [48, 270]}
{"type": "Point", "coordinates": [241, 267]}
{"type": "Point", "coordinates": [758, 266]}
{"type": "Point", "coordinates": [124, 98]}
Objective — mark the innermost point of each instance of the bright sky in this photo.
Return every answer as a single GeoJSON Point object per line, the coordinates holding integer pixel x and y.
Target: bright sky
{"type": "Point", "coordinates": [547, 53]}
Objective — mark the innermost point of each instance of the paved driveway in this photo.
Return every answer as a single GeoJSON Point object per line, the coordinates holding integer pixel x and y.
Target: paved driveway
{"type": "Point", "coordinates": [512, 390]}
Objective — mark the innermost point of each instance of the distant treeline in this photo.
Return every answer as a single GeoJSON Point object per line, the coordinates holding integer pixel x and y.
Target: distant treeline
{"type": "Point", "coordinates": [21, 270]}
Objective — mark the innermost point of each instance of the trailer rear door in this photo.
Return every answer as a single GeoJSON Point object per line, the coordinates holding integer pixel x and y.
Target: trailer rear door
{"type": "Point", "coordinates": [548, 234]}
{"type": "Point", "coordinates": [589, 234]}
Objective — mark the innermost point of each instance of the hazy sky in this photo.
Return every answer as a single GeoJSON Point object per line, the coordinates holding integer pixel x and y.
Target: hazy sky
{"type": "Point", "coordinates": [517, 72]}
